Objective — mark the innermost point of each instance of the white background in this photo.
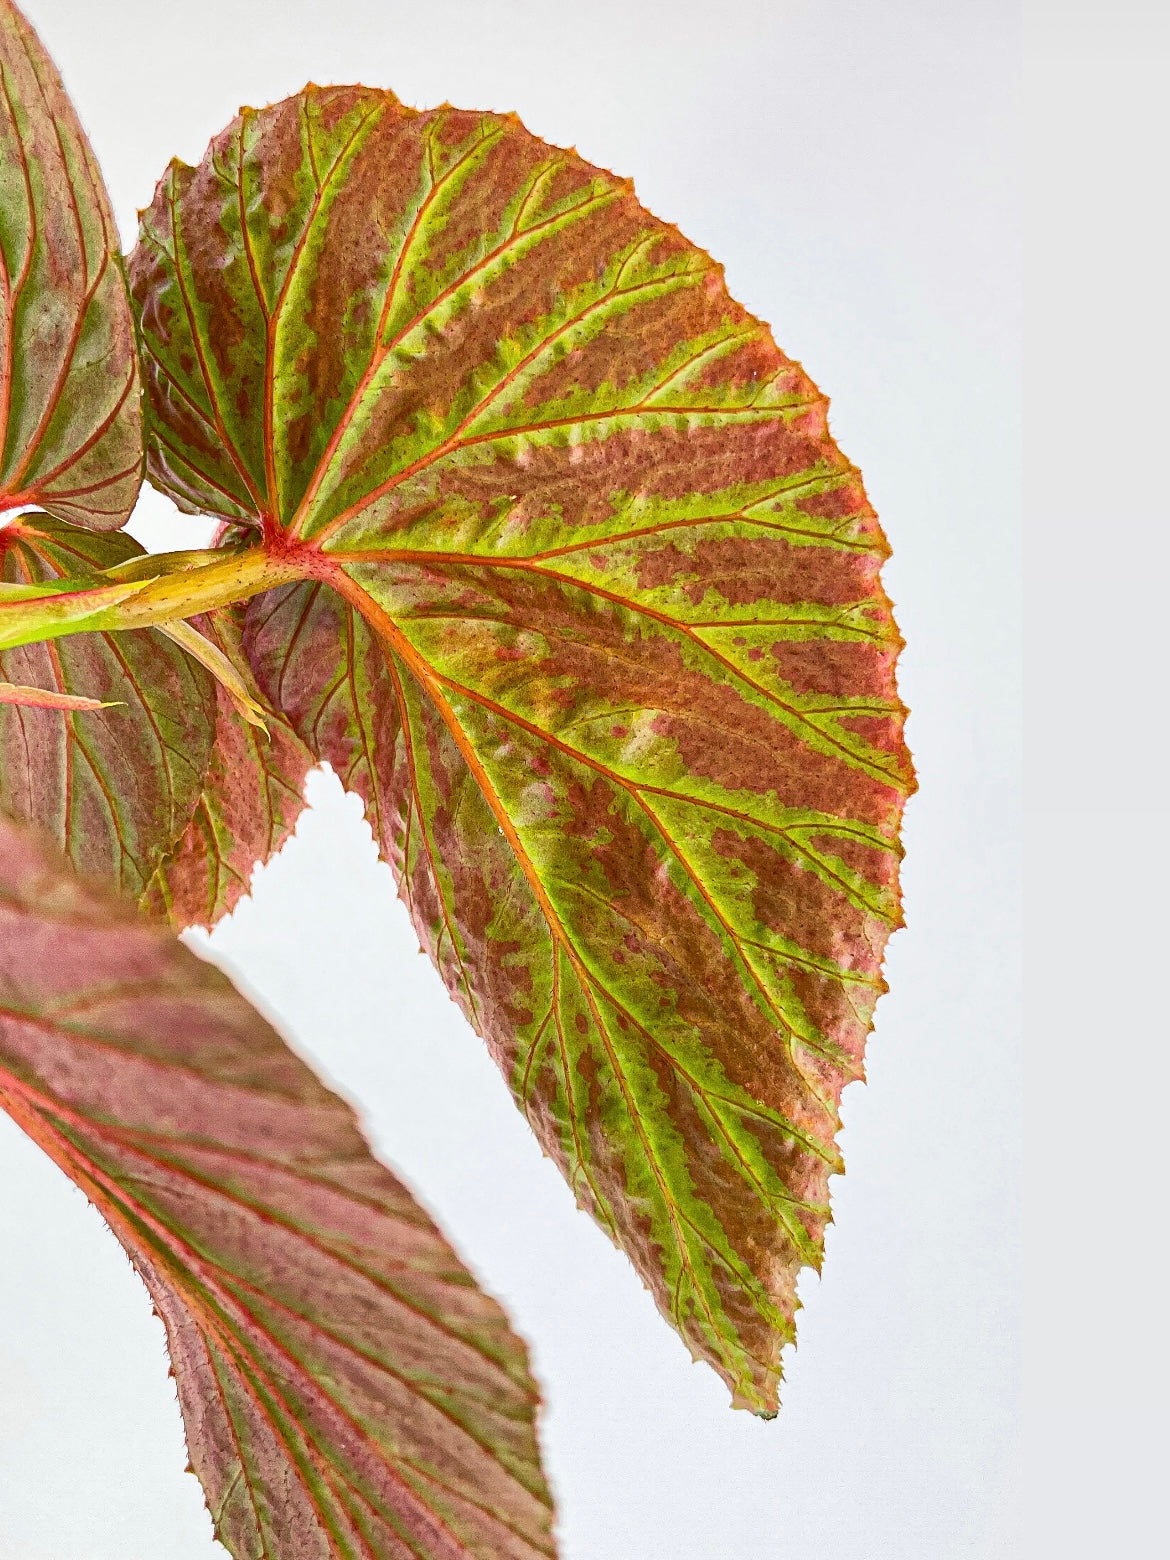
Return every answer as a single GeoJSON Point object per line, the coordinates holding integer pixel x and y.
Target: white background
{"type": "Point", "coordinates": [1097, 411]}
{"type": "Point", "coordinates": [853, 166]}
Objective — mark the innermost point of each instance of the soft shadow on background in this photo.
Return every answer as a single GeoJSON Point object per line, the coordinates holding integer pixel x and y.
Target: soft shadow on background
{"type": "Point", "coordinates": [853, 167]}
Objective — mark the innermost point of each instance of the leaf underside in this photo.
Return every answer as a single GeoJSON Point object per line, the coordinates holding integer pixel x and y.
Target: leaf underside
{"type": "Point", "coordinates": [114, 788]}
{"type": "Point", "coordinates": [347, 1389]}
{"type": "Point", "coordinates": [70, 416]}
{"type": "Point", "coordinates": [594, 624]}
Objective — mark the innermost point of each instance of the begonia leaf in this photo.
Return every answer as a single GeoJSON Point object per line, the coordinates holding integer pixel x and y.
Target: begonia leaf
{"type": "Point", "coordinates": [592, 618]}
{"type": "Point", "coordinates": [347, 1389]}
{"type": "Point", "coordinates": [70, 404]}
{"type": "Point", "coordinates": [116, 787]}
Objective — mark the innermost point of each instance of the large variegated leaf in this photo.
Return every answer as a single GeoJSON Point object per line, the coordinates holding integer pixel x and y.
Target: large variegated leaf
{"type": "Point", "coordinates": [252, 795]}
{"type": "Point", "coordinates": [347, 1389]}
{"type": "Point", "coordinates": [70, 414]}
{"type": "Point", "coordinates": [592, 619]}
{"type": "Point", "coordinates": [114, 787]}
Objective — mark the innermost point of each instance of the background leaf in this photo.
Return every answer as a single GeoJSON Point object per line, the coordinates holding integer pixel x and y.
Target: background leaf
{"type": "Point", "coordinates": [611, 663]}
{"type": "Point", "coordinates": [347, 1389]}
{"type": "Point", "coordinates": [70, 413]}
{"type": "Point", "coordinates": [114, 788]}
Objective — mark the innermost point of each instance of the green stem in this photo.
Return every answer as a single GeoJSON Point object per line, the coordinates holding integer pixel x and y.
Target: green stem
{"type": "Point", "coordinates": [179, 586]}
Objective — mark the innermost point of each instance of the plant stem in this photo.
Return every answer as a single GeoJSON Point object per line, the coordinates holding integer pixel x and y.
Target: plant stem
{"type": "Point", "coordinates": [179, 586]}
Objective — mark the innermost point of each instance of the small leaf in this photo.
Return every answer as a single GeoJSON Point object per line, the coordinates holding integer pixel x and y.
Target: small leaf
{"type": "Point", "coordinates": [252, 795]}
{"type": "Point", "coordinates": [114, 789]}
{"type": "Point", "coordinates": [347, 1389]}
{"type": "Point", "coordinates": [591, 616]}
{"type": "Point", "coordinates": [226, 674]}
{"type": "Point", "coordinates": [51, 699]}
{"type": "Point", "coordinates": [70, 414]}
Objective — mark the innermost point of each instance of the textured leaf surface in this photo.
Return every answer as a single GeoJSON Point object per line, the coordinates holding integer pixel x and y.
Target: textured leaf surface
{"type": "Point", "coordinates": [117, 787]}
{"type": "Point", "coordinates": [347, 1389]}
{"type": "Point", "coordinates": [595, 625]}
{"type": "Point", "coordinates": [252, 795]}
{"type": "Point", "coordinates": [70, 413]}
